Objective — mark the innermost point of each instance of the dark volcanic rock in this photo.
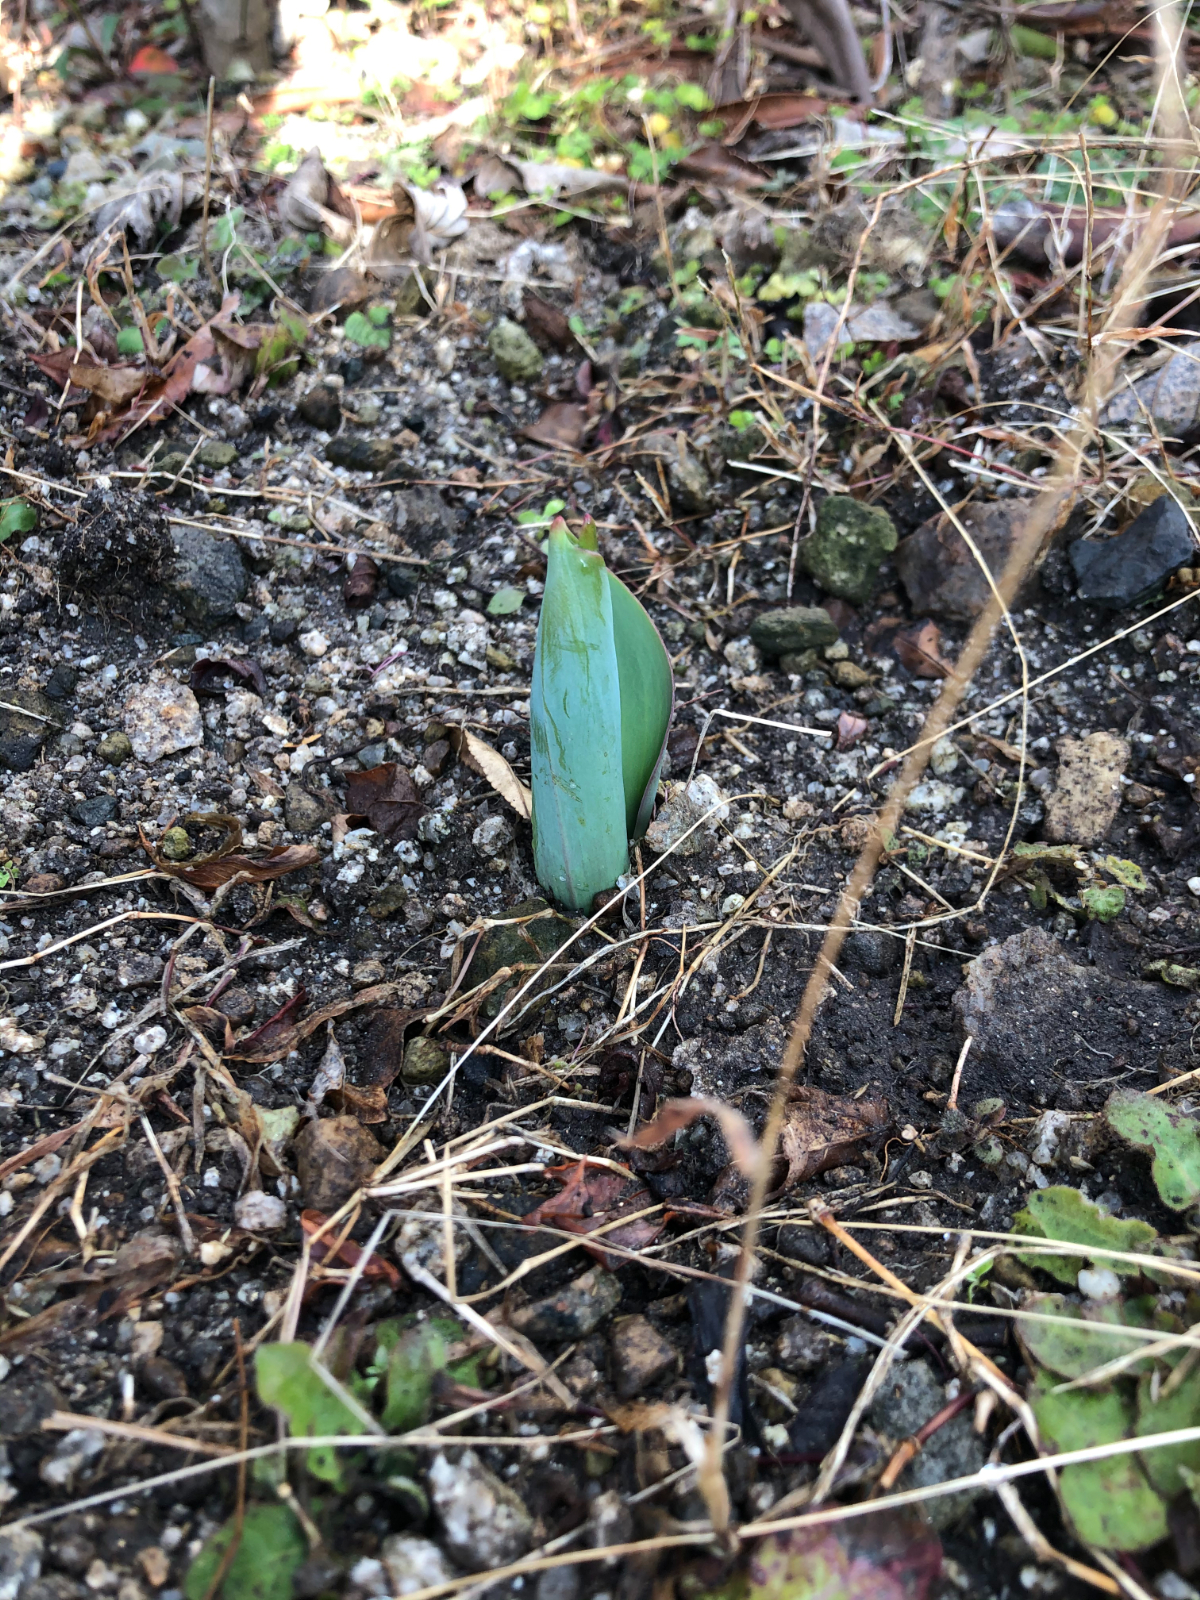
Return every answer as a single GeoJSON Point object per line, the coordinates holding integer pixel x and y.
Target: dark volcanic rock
{"type": "Point", "coordinates": [321, 407]}
{"type": "Point", "coordinates": [1129, 568]}
{"type": "Point", "coordinates": [208, 576]}
{"type": "Point", "coordinates": [938, 568]}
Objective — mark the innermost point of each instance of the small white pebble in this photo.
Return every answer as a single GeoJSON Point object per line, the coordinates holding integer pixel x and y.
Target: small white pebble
{"type": "Point", "coordinates": [259, 1212]}
{"type": "Point", "coordinates": [1194, 885]}
{"type": "Point", "coordinates": [150, 1040]}
{"type": "Point", "coordinates": [1098, 1283]}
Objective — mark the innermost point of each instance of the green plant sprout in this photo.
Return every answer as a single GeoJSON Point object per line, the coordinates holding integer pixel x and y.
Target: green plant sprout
{"type": "Point", "coordinates": [599, 708]}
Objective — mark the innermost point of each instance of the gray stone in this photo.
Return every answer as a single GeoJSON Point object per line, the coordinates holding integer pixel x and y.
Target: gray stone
{"type": "Point", "coordinates": [803, 1346]}
{"type": "Point", "coordinates": [208, 576]}
{"type": "Point", "coordinates": [792, 629]}
{"type": "Point", "coordinates": [1125, 570]}
{"type": "Point", "coordinates": [94, 813]}
{"type": "Point", "coordinates": [687, 804]}
{"type": "Point", "coordinates": [573, 1311]}
{"type": "Point", "coordinates": [850, 542]}
{"type": "Point", "coordinates": [114, 748]}
{"type": "Point", "coordinates": [303, 812]}
{"type": "Point", "coordinates": [20, 1561]}
{"type": "Point", "coordinates": [1086, 797]}
{"type": "Point", "coordinates": [161, 717]}
{"type": "Point", "coordinates": [217, 453]}
{"type": "Point", "coordinates": [878, 323]}
{"type": "Point", "coordinates": [413, 1563]}
{"type": "Point", "coordinates": [321, 407]}
{"type": "Point", "coordinates": [640, 1356]}
{"type": "Point", "coordinates": [420, 514]}
{"type": "Point", "coordinates": [516, 356]}
{"type": "Point", "coordinates": [485, 1523]}
{"type": "Point", "coordinates": [938, 568]}
{"type": "Point", "coordinates": [424, 1061]}
{"type": "Point", "coordinates": [558, 1583]}
{"type": "Point", "coordinates": [910, 1396]}
{"type": "Point", "coordinates": [871, 951]}
{"type": "Point", "coordinates": [1171, 396]}
{"type": "Point", "coordinates": [361, 455]}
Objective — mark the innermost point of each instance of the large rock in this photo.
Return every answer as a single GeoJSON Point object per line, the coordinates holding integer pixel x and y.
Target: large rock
{"type": "Point", "coordinates": [1125, 570]}
{"type": "Point", "coordinates": [1086, 796]}
{"type": "Point", "coordinates": [1170, 396]}
{"type": "Point", "coordinates": [28, 719]}
{"type": "Point", "coordinates": [207, 576]}
{"type": "Point", "coordinates": [851, 540]}
{"type": "Point", "coordinates": [573, 1311]}
{"type": "Point", "coordinates": [698, 802]}
{"type": "Point", "coordinates": [938, 568]}
{"type": "Point", "coordinates": [792, 629]}
{"type": "Point", "coordinates": [486, 1524]}
{"type": "Point", "coordinates": [161, 717]}
{"type": "Point", "coordinates": [334, 1157]}
{"type": "Point", "coordinates": [1036, 1020]}
{"type": "Point", "coordinates": [910, 1396]}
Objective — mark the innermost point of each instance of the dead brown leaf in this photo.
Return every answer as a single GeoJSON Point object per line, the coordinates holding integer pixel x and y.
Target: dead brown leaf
{"type": "Point", "coordinates": [713, 163]}
{"type": "Point", "coordinates": [561, 425]}
{"type": "Point", "coordinates": [280, 1034]}
{"type": "Point", "coordinates": [546, 322]}
{"type": "Point", "coordinates": [592, 1197]}
{"type": "Point", "coordinates": [677, 1114]}
{"type": "Point", "coordinates": [211, 872]}
{"type": "Point", "coordinates": [362, 583]}
{"type": "Point", "coordinates": [387, 797]}
{"type": "Point", "coordinates": [823, 1130]}
{"type": "Point", "coordinates": [490, 764]}
{"type": "Point", "coordinates": [919, 648]}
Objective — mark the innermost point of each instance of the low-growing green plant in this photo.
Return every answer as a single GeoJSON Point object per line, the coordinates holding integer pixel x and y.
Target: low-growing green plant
{"type": "Point", "coordinates": [599, 709]}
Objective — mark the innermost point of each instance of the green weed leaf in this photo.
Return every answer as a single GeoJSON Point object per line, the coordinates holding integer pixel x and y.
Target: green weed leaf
{"type": "Point", "coordinates": [1103, 904]}
{"type": "Point", "coordinates": [272, 1546]}
{"type": "Point", "coordinates": [1109, 1502]}
{"type": "Point", "coordinates": [287, 1381]}
{"type": "Point", "coordinates": [1078, 1343]}
{"type": "Point", "coordinates": [1179, 1409]}
{"type": "Point", "coordinates": [129, 342]}
{"type": "Point", "coordinates": [1125, 872]}
{"type": "Point", "coordinates": [600, 705]}
{"type": "Point", "coordinates": [504, 602]}
{"type": "Point", "coordinates": [1172, 1138]}
{"type": "Point", "coordinates": [416, 1357]}
{"type": "Point", "coordinates": [1064, 1214]}
{"type": "Point", "coordinates": [364, 331]}
{"type": "Point", "coordinates": [178, 269]}
{"type": "Point", "coordinates": [16, 516]}
{"type": "Point", "coordinates": [888, 1555]}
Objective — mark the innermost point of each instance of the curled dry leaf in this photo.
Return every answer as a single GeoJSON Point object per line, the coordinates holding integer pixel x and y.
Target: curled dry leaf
{"type": "Point", "coordinates": [348, 1254]}
{"type": "Point", "coordinates": [207, 676]}
{"type": "Point", "coordinates": [440, 217]}
{"type": "Point", "coordinates": [362, 583]}
{"type": "Point", "coordinates": [274, 1031]}
{"type": "Point", "coordinates": [823, 1130]}
{"type": "Point", "coordinates": [312, 198]}
{"type": "Point", "coordinates": [140, 204]}
{"type": "Point", "coordinates": [213, 1024]}
{"type": "Point", "coordinates": [490, 764]}
{"type": "Point", "coordinates": [590, 1198]}
{"type": "Point", "coordinates": [114, 386]}
{"type": "Point", "coordinates": [850, 729]}
{"type": "Point", "coordinates": [387, 797]}
{"type": "Point", "coordinates": [919, 648]}
{"type": "Point", "coordinates": [553, 178]}
{"type": "Point", "coordinates": [330, 1075]}
{"type": "Point", "coordinates": [495, 176]}
{"type": "Point", "coordinates": [546, 322]}
{"type": "Point", "coordinates": [211, 874]}
{"type": "Point", "coordinates": [281, 1033]}
{"type": "Point", "coordinates": [677, 1114]}
{"type": "Point", "coordinates": [561, 425]}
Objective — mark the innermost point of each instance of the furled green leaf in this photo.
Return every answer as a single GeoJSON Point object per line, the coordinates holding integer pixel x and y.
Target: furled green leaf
{"type": "Point", "coordinates": [1179, 977]}
{"type": "Point", "coordinates": [129, 342]}
{"type": "Point", "coordinates": [16, 516]}
{"type": "Point", "coordinates": [363, 331]}
{"type": "Point", "coordinates": [1103, 903]}
{"type": "Point", "coordinates": [504, 602]}
{"type": "Point", "coordinates": [418, 1354]}
{"type": "Point", "coordinates": [271, 1548]}
{"type": "Point", "coordinates": [288, 1381]}
{"type": "Point", "coordinates": [1109, 1502]}
{"type": "Point", "coordinates": [1064, 1214]}
{"type": "Point", "coordinates": [1080, 1339]}
{"type": "Point", "coordinates": [285, 338]}
{"type": "Point", "coordinates": [1172, 1138]}
{"type": "Point", "coordinates": [600, 703]}
{"type": "Point", "coordinates": [177, 269]}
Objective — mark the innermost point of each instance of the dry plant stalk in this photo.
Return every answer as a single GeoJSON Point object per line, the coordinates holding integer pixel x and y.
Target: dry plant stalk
{"type": "Point", "coordinates": [1043, 517]}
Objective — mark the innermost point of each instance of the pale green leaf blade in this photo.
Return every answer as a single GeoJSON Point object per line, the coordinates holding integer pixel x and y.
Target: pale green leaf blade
{"type": "Point", "coordinates": [647, 694]}
{"type": "Point", "coordinates": [271, 1548]}
{"type": "Point", "coordinates": [287, 1381]}
{"type": "Point", "coordinates": [1109, 1502]}
{"type": "Point", "coordinates": [1172, 1138]}
{"type": "Point", "coordinates": [1078, 1340]}
{"type": "Point", "coordinates": [580, 831]}
{"type": "Point", "coordinates": [1179, 1409]}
